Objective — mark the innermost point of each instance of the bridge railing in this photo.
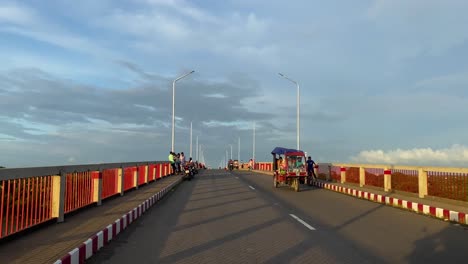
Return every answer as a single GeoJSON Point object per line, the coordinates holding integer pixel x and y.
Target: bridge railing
{"type": "Point", "coordinates": [31, 196]}
{"type": "Point", "coordinates": [444, 182]}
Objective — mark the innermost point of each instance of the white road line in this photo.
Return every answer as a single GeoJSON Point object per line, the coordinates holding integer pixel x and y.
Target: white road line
{"type": "Point", "coordinates": [237, 177]}
{"type": "Point", "coordinates": [302, 222]}
{"type": "Point", "coordinates": [251, 187]}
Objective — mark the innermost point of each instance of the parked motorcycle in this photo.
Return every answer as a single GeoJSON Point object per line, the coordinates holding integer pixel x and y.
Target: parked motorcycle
{"type": "Point", "coordinates": [188, 172]}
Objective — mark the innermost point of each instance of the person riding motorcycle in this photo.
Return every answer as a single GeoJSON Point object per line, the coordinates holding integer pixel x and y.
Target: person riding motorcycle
{"type": "Point", "coordinates": [231, 164]}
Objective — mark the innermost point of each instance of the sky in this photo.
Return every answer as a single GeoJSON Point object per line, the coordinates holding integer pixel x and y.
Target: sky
{"type": "Point", "coordinates": [381, 81]}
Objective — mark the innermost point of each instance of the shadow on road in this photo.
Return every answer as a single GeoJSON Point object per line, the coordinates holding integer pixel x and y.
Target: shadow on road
{"type": "Point", "coordinates": [442, 247]}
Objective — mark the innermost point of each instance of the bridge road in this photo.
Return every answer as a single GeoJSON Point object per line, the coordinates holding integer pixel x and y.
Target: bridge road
{"type": "Point", "coordinates": [223, 217]}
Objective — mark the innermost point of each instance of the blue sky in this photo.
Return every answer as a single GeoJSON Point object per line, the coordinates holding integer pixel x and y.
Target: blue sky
{"type": "Point", "coordinates": [382, 81]}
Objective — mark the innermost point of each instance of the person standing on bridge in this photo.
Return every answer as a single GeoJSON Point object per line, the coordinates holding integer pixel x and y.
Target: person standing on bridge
{"type": "Point", "coordinates": [310, 167]}
{"type": "Point", "coordinates": [177, 162]}
{"type": "Point", "coordinates": [182, 159]}
{"type": "Point", "coordinates": [171, 161]}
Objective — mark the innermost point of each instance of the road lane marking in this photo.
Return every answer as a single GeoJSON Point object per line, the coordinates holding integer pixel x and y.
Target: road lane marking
{"type": "Point", "coordinates": [251, 187]}
{"type": "Point", "coordinates": [237, 177]}
{"type": "Point", "coordinates": [302, 222]}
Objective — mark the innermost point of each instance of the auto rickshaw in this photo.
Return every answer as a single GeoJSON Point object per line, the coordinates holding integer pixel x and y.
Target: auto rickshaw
{"type": "Point", "coordinates": [289, 168]}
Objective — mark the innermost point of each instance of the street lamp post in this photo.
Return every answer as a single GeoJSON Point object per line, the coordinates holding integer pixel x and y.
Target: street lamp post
{"type": "Point", "coordinates": [190, 139]}
{"type": "Point", "coordinates": [196, 157]}
{"type": "Point", "coordinates": [298, 107]}
{"type": "Point", "coordinates": [231, 151]}
{"type": "Point", "coordinates": [253, 151]}
{"type": "Point", "coordinates": [238, 150]}
{"type": "Point", "coordinates": [173, 105]}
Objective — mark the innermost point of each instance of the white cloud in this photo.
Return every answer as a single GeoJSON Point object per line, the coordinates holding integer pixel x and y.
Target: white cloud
{"type": "Point", "coordinates": [162, 27]}
{"type": "Point", "coordinates": [24, 21]}
{"type": "Point", "coordinates": [420, 26]}
{"type": "Point", "coordinates": [184, 8]}
{"type": "Point", "coordinates": [454, 155]}
{"type": "Point", "coordinates": [451, 84]}
{"type": "Point", "coordinates": [17, 14]}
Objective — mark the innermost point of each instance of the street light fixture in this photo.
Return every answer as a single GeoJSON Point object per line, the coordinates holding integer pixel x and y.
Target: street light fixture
{"type": "Point", "coordinates": [298, 107]}
{"type": "Point", "coordinates": [173, 105]}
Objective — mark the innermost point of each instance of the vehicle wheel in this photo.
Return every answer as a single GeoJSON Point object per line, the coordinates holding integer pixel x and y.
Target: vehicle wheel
{"type": "Point", "coordinates": [296, 185]}
{"type": "Point", "coordinates": [275, 182]}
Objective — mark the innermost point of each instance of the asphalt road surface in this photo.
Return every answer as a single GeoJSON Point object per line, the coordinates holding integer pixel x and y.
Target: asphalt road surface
{"type": "Point", "coordinates": [238, 217]}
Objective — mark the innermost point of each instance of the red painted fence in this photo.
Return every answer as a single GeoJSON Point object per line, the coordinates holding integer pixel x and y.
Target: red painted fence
{"type": "Point", "coordinates": [110, 181]}
{"type": "Point", "coordinates": [450, 185]}
{"type": "Point", "coordinates": [29, 201]}
{"type": "Point", "coordinates": [24, 203]}
{"type": "Point", "coordinates": [78, 191]}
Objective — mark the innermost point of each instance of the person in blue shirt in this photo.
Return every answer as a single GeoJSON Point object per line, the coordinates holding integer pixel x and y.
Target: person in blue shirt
{"type": "Point", "coordinates": [310, 167]}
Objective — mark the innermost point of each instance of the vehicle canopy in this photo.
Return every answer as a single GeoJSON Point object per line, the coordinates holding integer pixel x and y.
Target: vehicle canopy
{"type": "Point", "coordinates": [287, 152]}
{"type": "Point", "coordinates": [294, 163]}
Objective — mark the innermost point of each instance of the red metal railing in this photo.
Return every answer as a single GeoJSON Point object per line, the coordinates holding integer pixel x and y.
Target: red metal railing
{"type": "Point", "coordinates": [263, 166]}
{"type": "Point", "coordinates": [352, 174]}
{"type": "Point", "coordinates": [151, 173]}
{"type": "Point", "coordinates": [158, 171]}
{"type": "Point", "coordinates": [335, 173]}
{"type": "Point", "coordinates": [322, 171]}
{"type": "Point", "coordinates": [24, 203]}
{"type": "Point", "coordinates": [168, 170]}
{"type": "Point", "coordinates": [32, 200]}
{"type": "Point", "coordinates": [405, 180]}
{"type": "Point", "coordinates": [129, 179]}
{"type": "Point", "coordinates": [110, 183]}
{"type": "Point", "coordinates": [79, 190]}
{"type": "Point", "coordinates": [448, 185]}
{"type": "Point", "coordinates": [374, 177]}
{"type": "Point", "coordinates": [141, 175]}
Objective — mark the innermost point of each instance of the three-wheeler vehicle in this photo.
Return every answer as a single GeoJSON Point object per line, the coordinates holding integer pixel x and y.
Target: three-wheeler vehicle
{"type": "Point", "coordinates": [289, 168]}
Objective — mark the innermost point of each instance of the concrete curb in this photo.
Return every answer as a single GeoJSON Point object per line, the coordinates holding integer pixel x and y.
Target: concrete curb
{"type": "Point", "coordinates": [103, 237]}
{"type": "Point", "coordinates": [440, 213]}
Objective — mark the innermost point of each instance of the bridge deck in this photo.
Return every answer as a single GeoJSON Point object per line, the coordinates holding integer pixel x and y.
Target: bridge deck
{"type": "Point", "coordinates": [50, 243]}
{"type": "Point", "coordinates": [224, 217]}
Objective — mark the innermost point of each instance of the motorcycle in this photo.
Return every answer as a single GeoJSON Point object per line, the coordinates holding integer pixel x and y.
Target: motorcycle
{"type": "Point", "coordinates": [188, 175]}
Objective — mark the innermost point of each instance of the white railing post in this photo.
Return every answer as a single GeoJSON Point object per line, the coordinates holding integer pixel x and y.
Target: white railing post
{"type": "Point", "coordinates": [58, 196]}
{"type": "Point", "coordinates": [146, 174]}
{"type": "Point", "coordinates": [362, 176]}
{"type": "Point", "coordinates": [97, 187]}
{"type": "Point", "coordinates": [136, 175]}
{"type": "Point", "coordinates": [343, 174]}
{"type": "Point", "coordinates": [121, 181]}
{"type": "Point", "coordinates": [422, 182]}
{"type": "Point", "coordinates": [387, 180]}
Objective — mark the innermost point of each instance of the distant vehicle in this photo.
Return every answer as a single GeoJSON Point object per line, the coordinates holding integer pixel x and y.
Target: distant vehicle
{"type": "Point", "coordinates": [292, 170]}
